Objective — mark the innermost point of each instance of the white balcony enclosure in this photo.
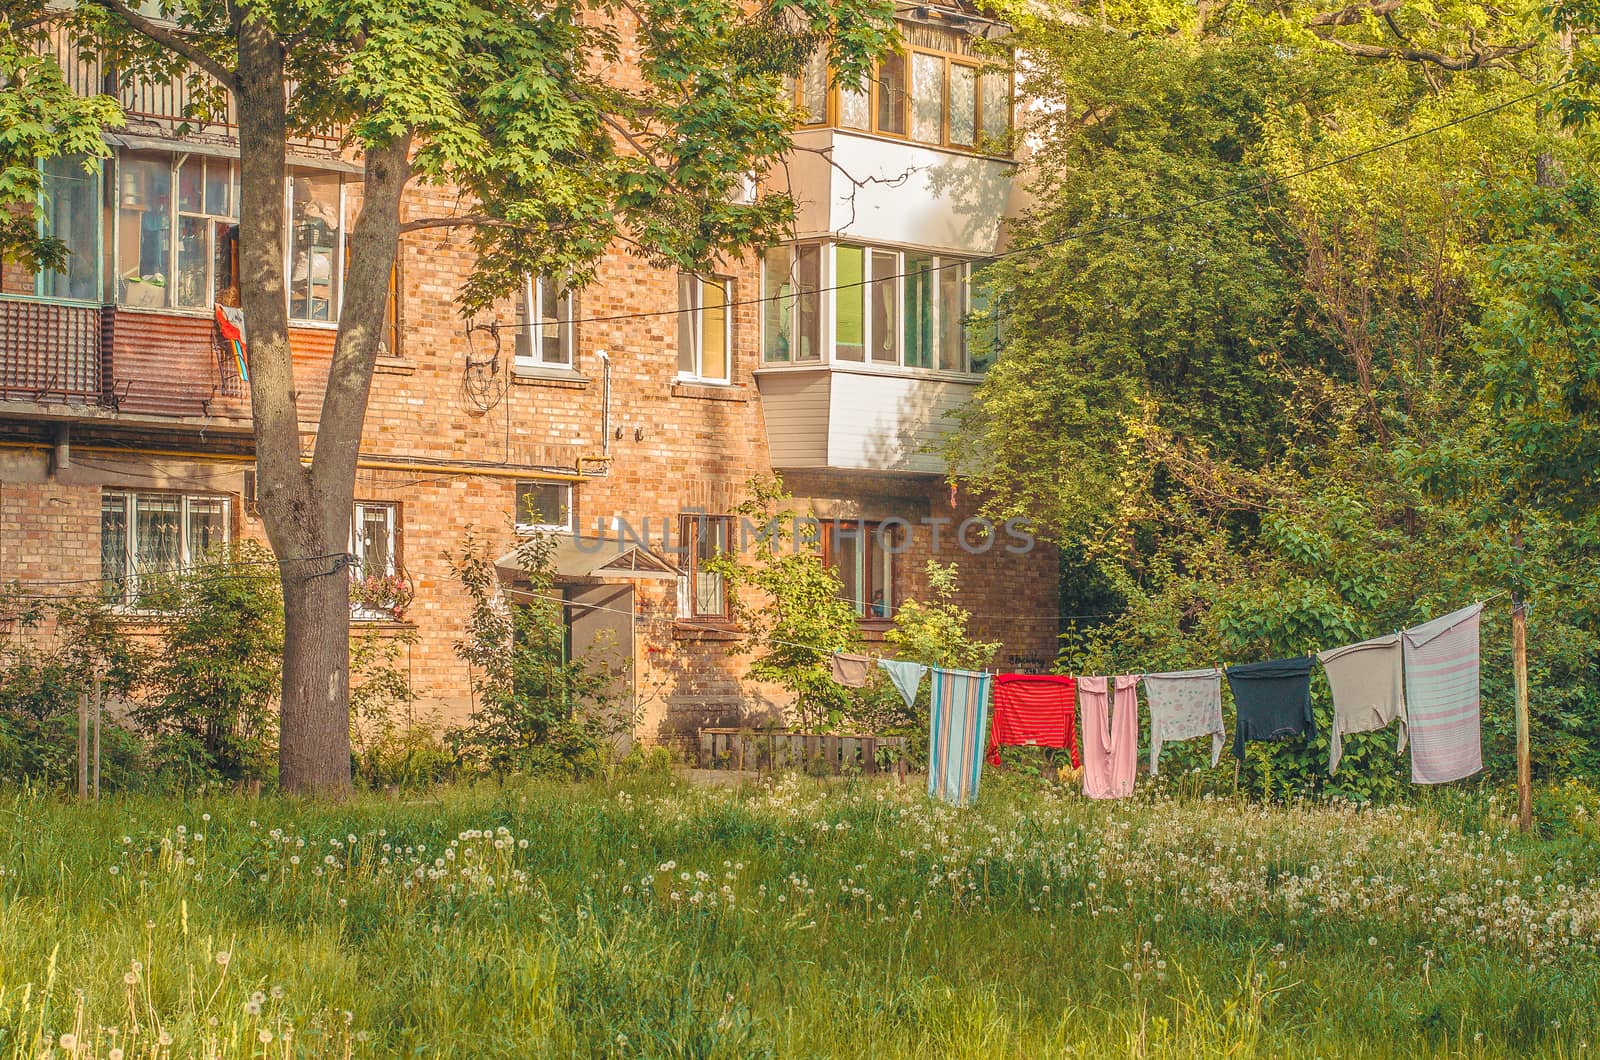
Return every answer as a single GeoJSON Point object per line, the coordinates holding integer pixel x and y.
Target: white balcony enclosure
{"type": "Point", "coordinates": [880, 190]}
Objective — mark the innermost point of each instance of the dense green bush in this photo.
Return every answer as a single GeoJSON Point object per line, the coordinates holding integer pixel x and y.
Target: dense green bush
{"type": "Point", "coordinates": [212, 689]}
{"type": "Point", "coordinates": [538, 712]}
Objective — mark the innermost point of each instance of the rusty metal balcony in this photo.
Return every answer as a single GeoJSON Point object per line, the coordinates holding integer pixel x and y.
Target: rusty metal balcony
{"type": "Point", "coordinates": [51, 353]}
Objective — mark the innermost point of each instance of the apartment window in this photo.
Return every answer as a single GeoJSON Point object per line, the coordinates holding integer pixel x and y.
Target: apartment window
{"type": "Point", "coordinates": [936, 290]}
{"type": "Point", "coordinates": [933, 93]}
{"type": "Point", "coordinates": [316, 246]}
{"type": "Point", "coordinates": [863, 555]}
{"type": "Point", "coordinates": [378, 589]}
{"type": "Point", "coordinates": [703, 593]}
{"type": "Point", "coordinates": [207, 239]}
{"type": "Point", "coordinates": [985, 331]}
{"type": "Point", "coordinates": [544, 506]}
{"type": "Point", "coordinates": [705, 331]}
{"type": "Point", "coordinates": [889, 92]}
{"type": "Point", "coordinates": [866, 304]}
{"type": "Point", "coordinates": [791, 279]}
{"type": "Point", "coordinates": [146, 535]}
{"type": "Point", "coordinates": [928, 105]}
{"type": "Point", "coordinates": [544, 324]}
{"type": "Point", "coordinates": [177, 233]}
{"type": "Point", "coordinates": [963, 130]}
{"type": "Point", "coordinates": [996, 110]}
{"type": "Point", "coordinates": [72, 215]}
{"type": "Point", "coordinates": [809, 92]}
{"type": "Point", "coordinates": [374, 540]}
{"type": "Point", "coordinates": [889, 307]}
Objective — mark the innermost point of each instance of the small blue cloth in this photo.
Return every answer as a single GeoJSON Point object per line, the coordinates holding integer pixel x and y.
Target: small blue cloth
{"type": "Point", "coordinates": [907, 677]}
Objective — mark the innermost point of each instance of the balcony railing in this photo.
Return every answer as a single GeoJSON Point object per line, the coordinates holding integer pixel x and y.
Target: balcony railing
{"type": "Point", "coordinates": [167, 103]}
{"type": "Point", "coordinates": [51, 353]}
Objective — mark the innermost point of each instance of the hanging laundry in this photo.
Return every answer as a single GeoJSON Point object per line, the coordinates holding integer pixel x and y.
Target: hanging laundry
{"type": "Point", "coordinates": [1442, 702]}
{"type": "Point", "coordinates": [907, 677]}
{"type": "Point", "coordinates": [1110, 735]}
{"type": "Point", "coordinates": [1184, 704]}
{"type": "Point", "coordinates": [1367, 680]}
{"type": "Point", "coordinates": [851, 670]}
{"type": "Point", "coordinates": [958, 726]}
{"type": "Point", "coordinates": [1272, 701]}
{"type": "Point", "coordinates": [1033, 710]}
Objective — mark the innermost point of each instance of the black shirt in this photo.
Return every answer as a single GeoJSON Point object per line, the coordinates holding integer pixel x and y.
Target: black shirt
{"type": "Point", "coordinates": [1272, 701]}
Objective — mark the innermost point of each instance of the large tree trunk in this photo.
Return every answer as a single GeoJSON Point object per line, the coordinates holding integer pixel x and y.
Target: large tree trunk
{"type": "Point", "coordinates": [306, 509]}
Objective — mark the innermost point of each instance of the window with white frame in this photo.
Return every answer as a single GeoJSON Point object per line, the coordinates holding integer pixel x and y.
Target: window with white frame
{"type": "Point", "coordinates": [791, 302]}
{"type": "Point", "coordinates": [71, 214]}
{"type": "Point", "coordinates": [374, 540]}
{"type": "Point", "coordinates": [144, 535]}
{"type": "Point", "coordinates": [888, 307]}
{"type": "Point", "coordinates": [316, 246]}
{"type": "Point", "coordinates": [378, 588]}
{"type": "Point", "coordinates": [705, 328]}
{"type": "Point", "coordinates": [543, 505]}
{"type": "Point", "coordinates": [544, 324]}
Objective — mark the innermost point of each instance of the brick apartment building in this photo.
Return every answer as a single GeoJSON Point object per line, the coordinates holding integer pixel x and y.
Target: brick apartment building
{"type": "Point", "coordinates": [125, 439]}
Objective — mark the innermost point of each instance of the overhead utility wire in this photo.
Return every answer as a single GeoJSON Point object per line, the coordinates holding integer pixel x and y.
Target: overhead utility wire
{"type": "Point", "coordinates": [1089, 233]}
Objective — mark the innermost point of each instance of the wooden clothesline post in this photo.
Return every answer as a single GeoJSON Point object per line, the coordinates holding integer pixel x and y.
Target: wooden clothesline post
{"type": "Point", "coordinates": [1519, 669]}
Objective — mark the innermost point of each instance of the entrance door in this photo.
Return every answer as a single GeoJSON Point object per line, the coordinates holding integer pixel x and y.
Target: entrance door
{"type": "Point", "coordinates": [600, 633]}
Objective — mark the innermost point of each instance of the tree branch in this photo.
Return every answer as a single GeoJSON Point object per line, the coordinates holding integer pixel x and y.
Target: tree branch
{"type": "Point", "coordinates": [169, 38]}
{"type": "Point", "coordinates": [469, 220]}
{"type": "Point", "coordinates": [1477, 57]}
{"type": "Point", "coordinates": [1355, 13]}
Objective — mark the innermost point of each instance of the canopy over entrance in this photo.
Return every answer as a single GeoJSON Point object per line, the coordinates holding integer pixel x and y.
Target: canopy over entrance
{"type": "Point", "coordinates": [589, 560]}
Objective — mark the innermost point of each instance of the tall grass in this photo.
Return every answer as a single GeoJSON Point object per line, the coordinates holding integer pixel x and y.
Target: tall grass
{"type": "Point", "coordinates": [795, 919]}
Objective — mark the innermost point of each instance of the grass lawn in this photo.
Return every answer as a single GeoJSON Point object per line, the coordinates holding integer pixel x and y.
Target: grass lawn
{"type": "Point", "coordinates": [795, 919]}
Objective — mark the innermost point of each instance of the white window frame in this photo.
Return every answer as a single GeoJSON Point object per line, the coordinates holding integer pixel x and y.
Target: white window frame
{"type": "Point", "coordinates": [358, 549]}
{"type": "Point", "coordinates": [288, 248]}
{"type": "Point", "coordinates": [548, 528]}
{"type": "Point", "coordinates": [829, 306]}
{"type": "Point", "coordinates": [186, 560]}
{"type": "Point", "coordinates": [358, 559]}
{"type": "Point", "coordinates": [531, 293]}
{"type": "Point", "coordinates": [697, 319]}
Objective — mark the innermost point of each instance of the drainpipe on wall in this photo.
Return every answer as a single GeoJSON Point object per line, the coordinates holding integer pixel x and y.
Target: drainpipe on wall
{"type": "Point", "coordinates": [61, 454]}
{"type": "Point", "coordinates": [605, 404]}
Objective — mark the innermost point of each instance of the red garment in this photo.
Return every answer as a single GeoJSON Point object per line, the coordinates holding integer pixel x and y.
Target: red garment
{"type": "Point", "coordinates": [1034, 710]}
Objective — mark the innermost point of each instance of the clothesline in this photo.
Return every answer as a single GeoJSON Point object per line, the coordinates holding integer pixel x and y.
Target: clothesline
{"type": "Point", "coordinates": [818, 648]}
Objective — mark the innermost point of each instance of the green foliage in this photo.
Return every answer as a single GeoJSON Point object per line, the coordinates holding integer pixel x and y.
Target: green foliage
{"type": "Point", "coordinates": [40, 119]}
{"type": "Point", "coordinates": [216, 681]}
{"type": "Point", "coordinates": [44, 671]}
{"type": "Point", "coordinates": [538, 712]}
{"type": "Point", "coordinates": [793, 607]}
{"type": "Point", "coordinates": [934, 631]}
{"type": "Point", "coordinates": [1292, 419]}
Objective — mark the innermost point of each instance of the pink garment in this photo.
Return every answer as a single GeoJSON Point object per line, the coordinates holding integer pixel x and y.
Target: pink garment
{"type": "Point", "coordinates": [1110, 735]}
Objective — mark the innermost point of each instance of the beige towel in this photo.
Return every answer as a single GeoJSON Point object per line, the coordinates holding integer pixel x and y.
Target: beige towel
{"type": "Point", "coordinates": [1368, 686]}
{"type": "Point", "coordinates": [851, 670]}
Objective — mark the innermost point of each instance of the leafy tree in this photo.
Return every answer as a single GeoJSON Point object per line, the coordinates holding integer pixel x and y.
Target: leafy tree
{"type": "Point", "coordinates": [510, 104]}
{"type": "Point", "coordinates": [1305, 414]}
{"type": "Point", "coordinates": [792, 605]}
